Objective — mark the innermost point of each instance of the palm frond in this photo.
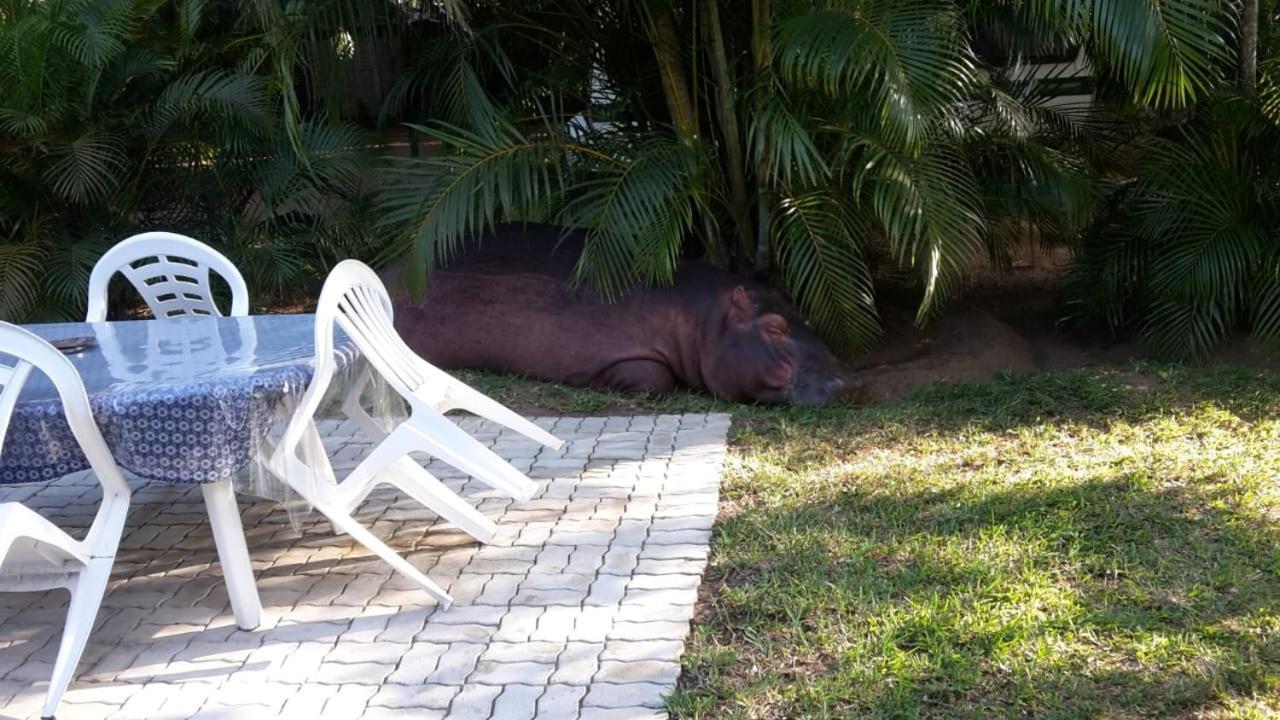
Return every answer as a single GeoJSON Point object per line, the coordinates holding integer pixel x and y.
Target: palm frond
{"type": "Point", "coordinates": [447, 79]}
{"type": "Point", "coordinates": [228, 95]}
{"type": "Point", "coordinates": [932, 216]}
{"type": "Point", "coordinates": [909, 59]}
{"type": "Point", "coordinates": [638, 212]}
{"type": "Point", "coordinates": [21, 266]}
{"type": "Point", "coordinates": [1196, 200]}
{"type": "Point", "coordinates": [822, 267]}
{"type": "Point", "coordinates": [1265, 302]}
{"type": "Point", "coordinates": [22, 123]}
{"type": "Point", "coordinates": [99, 32]}
{"type": "Point", "coordinates": [67, 269]}
{"type": "Point", "coordinates": [88, 168]}
{"type": "Point", "coordinates": [134, 66]}
{"type": "Point", "coordinates": [434, 203]}
{"type": "Point", "coordinates": [779, 139]}
{"type": "Point", "coordinates": [1168, 52]}
{"type": "Point", "coordinates": [1110, 263]}
{"type": "Point", "coordinates": [1188, 329]}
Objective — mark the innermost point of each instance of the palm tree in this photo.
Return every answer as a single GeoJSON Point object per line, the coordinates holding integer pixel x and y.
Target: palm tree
{"type": "Point", "coordinates": [123, 115]}
{"type": "Point", "coordinates": [1187, 249]}
{"type": "Point", "coordinates": [824, 142]}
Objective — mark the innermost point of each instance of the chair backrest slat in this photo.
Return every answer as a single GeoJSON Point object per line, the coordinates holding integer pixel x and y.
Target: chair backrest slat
{"type": "Point", "coordinates": [375, 308]}
{"type": "Point", "coordinates": [172, 274]}
{"type": "Point", "coordinates": [364, 312]}
{"type": "Point", "coordinates": [355, 300]}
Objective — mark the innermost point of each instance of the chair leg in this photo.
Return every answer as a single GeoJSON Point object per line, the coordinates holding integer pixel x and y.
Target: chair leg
{"type": "Point", "coordinates": [356, 413]}
{"type": "Point", "coordinates": [361, 534]}
{"type": "Point", "coordinates": [436, 435]}
{"type": "Point", "coordinates": [228, 535]}
{"type": "Point", "coordinates": [86, 597]}
{"type": "Point", "coordinates": [424, 487]}
{"type": "Point", "coordinates": [317, 458]}
{"type": "Point", "coordinates": [477, 403]}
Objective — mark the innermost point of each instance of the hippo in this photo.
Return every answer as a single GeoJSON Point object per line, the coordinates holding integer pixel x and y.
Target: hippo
{"type": "Point", "coordinates": [506, 304]}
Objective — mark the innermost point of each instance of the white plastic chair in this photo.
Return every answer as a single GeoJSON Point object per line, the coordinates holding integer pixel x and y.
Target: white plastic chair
{"type": "Point", "coordinates": [35, 554]}
{"type": "Point", "coordinates": [355, 299]}
{"type": "Point", "coordinates": [171, 272]}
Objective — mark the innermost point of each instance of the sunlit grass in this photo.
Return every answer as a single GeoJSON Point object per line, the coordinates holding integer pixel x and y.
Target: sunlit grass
{"type": "Point", "coordinates": [1082, 544]}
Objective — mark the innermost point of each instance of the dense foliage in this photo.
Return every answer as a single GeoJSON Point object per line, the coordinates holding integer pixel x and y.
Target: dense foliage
{"type": "Point", "coordinates": [118, 116]}
{"type": "Point", "coordinates": [832, 144]}
{"type": "Point", "coordinates": [1185, 246]}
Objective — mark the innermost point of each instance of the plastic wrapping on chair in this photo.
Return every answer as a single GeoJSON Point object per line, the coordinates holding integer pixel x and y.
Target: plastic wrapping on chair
{"type": "Point", "coordinates": [378, 403]}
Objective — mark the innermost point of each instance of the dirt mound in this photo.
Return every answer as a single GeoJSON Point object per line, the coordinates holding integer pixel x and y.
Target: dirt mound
{"type": "Point", "coordinates": [971, 344]}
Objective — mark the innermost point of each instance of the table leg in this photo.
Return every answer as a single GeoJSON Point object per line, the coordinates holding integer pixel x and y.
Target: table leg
{"type": "Point", "coordinates": [228, 535]}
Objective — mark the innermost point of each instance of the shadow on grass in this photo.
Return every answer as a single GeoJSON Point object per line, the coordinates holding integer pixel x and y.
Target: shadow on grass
{"type": "Point", "coordinates": [1107, 597]}
{"type": "Point", "coordinates": [1129, 591]}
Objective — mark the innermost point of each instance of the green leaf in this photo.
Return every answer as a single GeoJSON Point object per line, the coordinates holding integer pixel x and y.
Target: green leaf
{"type": "Point", "coordinates": [89, 168]}
{"type": "Point", "coordinates": [215, 94]}
{"type": "Point", "coordinates": [477, 179]}
{"type": "Point", "coordinates": [932, 216]}
{"type": "Point", "coordinates": [816, 245]}
{"type": "Point", "coordinates": [21, 266]}
{"type": "Point", "coordinates": [906, 61]}
{"type": "Point", "coordinates": [1169, 53]}
{"type": "Point", "coordinates": [637, 212]}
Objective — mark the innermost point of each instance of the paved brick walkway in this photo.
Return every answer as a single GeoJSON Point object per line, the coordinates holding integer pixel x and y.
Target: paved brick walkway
{"type": "Point", "coordinates": [579, 608]}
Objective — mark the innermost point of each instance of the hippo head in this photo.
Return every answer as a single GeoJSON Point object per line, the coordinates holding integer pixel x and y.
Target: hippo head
{"type": "Point", "coordinates": [767, 354]}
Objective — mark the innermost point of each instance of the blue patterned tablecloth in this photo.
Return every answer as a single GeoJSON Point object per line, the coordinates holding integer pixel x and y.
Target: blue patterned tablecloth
{"type": "Point", "coordinates": [180, 400]}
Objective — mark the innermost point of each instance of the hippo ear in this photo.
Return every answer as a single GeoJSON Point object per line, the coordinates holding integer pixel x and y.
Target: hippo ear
{"type": "Point", "coordinates": [774, 324]}
{"type": "Point", "coordinates": [740, 310]}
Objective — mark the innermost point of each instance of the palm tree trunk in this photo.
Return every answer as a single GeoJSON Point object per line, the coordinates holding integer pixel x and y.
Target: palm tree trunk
{"type": "Point", "coordinates": [727, 111]}
{"type": "Point", "coordinates": [761, 23]}
{"type": "Point", "coordinates": [661, 29]}
{"type": "Point", "coordinates": [660, 26]}
{"type": "Point", "coordinates": [1249, 46]}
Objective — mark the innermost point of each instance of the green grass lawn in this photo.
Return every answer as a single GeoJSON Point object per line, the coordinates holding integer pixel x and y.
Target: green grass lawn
{"type": "Point", "coordinates": [1098, 543]}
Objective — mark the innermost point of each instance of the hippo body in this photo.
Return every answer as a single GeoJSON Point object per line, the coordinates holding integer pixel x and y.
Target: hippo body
{"type": "Point", "coordinates": [506, 305]}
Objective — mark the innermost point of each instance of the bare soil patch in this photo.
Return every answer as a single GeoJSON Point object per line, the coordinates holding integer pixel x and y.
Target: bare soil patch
{"type": "Point", "coordinates": [1008, 320]}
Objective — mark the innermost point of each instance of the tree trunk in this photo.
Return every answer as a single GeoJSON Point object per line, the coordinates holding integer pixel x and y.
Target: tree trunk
{"type": "Point", "coordinates": [1249, 46]}
{"type": "Point", "coordinates": [762, 25]}
{"type": "Point", "coordinates": [661, 28]}
{"type": "Point", "coordinates": [727, 111]}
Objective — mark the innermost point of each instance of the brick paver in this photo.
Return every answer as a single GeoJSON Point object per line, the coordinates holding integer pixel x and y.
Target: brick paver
{"type": "Point", "coordinates": [579, 608]}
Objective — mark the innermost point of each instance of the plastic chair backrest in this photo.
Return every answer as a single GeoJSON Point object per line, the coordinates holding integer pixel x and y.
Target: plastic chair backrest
{"type": "Point", "coordinates": [32, 352]}
{"type": "Point", "coordinates": [358, 302]}
{"type": "Point", "coordinates": [171, 272]}
{"type": "Point", "coordinates": [355, 299]}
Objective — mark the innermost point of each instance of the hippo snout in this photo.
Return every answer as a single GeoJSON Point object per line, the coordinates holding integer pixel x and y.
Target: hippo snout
{"type": "Point", "coordinates": [819, 391]}
{"type": "Point", "coordinates": [840, 386]}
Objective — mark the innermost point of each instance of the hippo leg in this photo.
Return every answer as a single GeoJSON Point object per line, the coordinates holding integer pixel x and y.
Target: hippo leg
{"type": "Point", "coordinates": [640, 376]}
